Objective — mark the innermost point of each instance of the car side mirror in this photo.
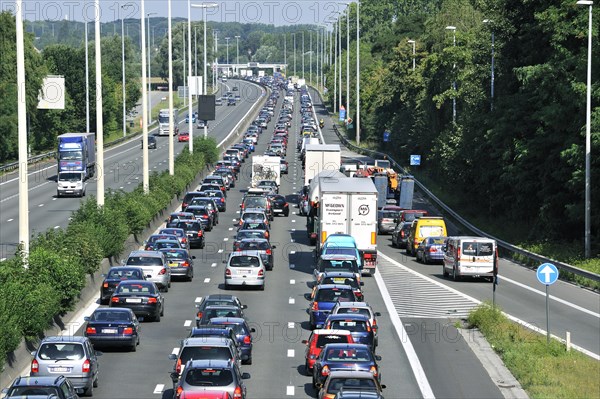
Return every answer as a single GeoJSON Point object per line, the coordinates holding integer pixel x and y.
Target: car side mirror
{"type": "Point", "coordinates": [305, 341]}
{"type": "Point", "coordinates": [383, 386]}
{"type": "Point", "coordinates": [193, 256]}
{"type": "Point", "coordinates": [378, 358]}
{"type": "Point", "coordinates": [173, 356]}
{"type": "Point", "coordinates": [273, 246]}
{"type": "Point", "coordinates": [86, 318]}
{"type": "Point", "coordinates": [444, 248]}
{"type": "Point", "coordinates": [33, 353]}
{"type": "Point", "coordinates": [244, 306]}
{"type": "Point", "coordinates": [174, 377]}
{"type": "Point", "coordinates": [253, 330]}
{"type": "Point", "coordinates": [245, 376]}
{"type": "Point", "coordinates": [378, 314]}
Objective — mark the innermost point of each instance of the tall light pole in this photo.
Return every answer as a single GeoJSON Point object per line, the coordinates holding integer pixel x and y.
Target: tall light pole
{"type": "Point", "coordinates": [171, 105]}
{"type": "Point", "coordinates": [216, 72]}
{"type": "Point", "coordinates": [486, 21]}
{"type": "Point", "coordinates": [145, 111]}
{"type": "Point", "coordinates": [22, 136]}
{"type": "Point", "coordinates": [357, 122]}
{"type": "Point", "coordinates": [340, 58]}
{"type": "Point", "coordinates": [588, 140]}
{"type": "Point", "coordinates": [347, 62]}
{"type": "Point", "coordinates": [414, 43]}
{"type": "Point", "coordinates": [99, 121]}
{"type": "Point", "coordinates": [189, 51]}
{"type": "Point", "coordinates": [204, 73]}
{"type": "Point", "coordinates": [149, 71]}
{"type": "Point", "coordinates": [183, 61]}
{"type": "Point", "coordinates": [310, 56]}
{"type": "Point", "coordinates": [335, 28]}
{"type": "Point", "coordinates": [237, 49]}
{"type": "Point", "coordinates": [87, 81]}
{"type": "Point", "coordinates": [124, 6]}
{"type": "Point", "coordinates": [285, 52]}
{"type": "Point", "coordinates": [453, 29]}
{"type": "Point", "coordinates": [302, 54]}
{"type": "Point", "coordinates": [227, 40]}
{"type": "Point", "coordinates": [195, 51]}
{"type": "Point", "coordinates": [294, 36]}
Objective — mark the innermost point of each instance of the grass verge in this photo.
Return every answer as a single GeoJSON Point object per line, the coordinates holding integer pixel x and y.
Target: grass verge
{"type": "Point", "coordinates": [544, 370]}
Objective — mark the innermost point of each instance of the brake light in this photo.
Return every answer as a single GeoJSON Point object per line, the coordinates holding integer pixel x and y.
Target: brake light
{"type": "Point", "coordinates": [128, 330]}
{"type": "Point", "coordinates": [184, 240]}
{"type": "Point", "coordinates": [237, 393]}
{"type": "Point", "coordinates": [266, 234]}
{"type": "Point", "coordinates": [458, 253]}
{"type": "Point", "coordinates": [247, 340]}
{"type": "Point", "coordinates": [325, 371]}
{"type": "Point", "coordinates": [105, 285]}
{"type": "Point", "coordinates": [179, 391]}
{"type": "Point", "coordinates": [368, 328]}
{"type": "Point", "coordinates": [315, 306]}
{"type": "Point", "coordinates": [162, 271]}
{"type": "Point", "coordinates": [374, 323]}
{"type": "Point", "coordinates": [204, 216]}
{"type": "Point", "coordinates": [238, 248]}
{"type": "Point", "coordinates": [285, 205]}
{"type": "Point", "coordinates": [261, 273]}
{"type": "Point", "coordinates": [114, 300]}
{"type": "Point", "coordinates": [199, 234]}
{"type": "Point", "coordinates": [269, 252]}
{"type": "Point", "coordinates": [373, 371]}
{"type": "Point", "coordinates": [90, 330]}
{"type": "Point", "coordinates": [85, 368]}
{"type": "Point", "coordinates": [227, 272]}
{"type": "Point", "coordinates": [222, 199]}
{"type": "Point", "coordinates": [185, 264]}
{"type": "Point", "coordinates": [402, 234]}
{"type": "Point", "coordinates": [152, 300]}
{"type": "Point", "coordinates": [35, 366]}
{"type": "Point", "coordinates": [178, 366]}
{"type": "Point", "coordinates": [432, 249]}
{"type": "Point", "coordinates": [368, 256]}
{"type": "Point", "coordinates": [184, 205]}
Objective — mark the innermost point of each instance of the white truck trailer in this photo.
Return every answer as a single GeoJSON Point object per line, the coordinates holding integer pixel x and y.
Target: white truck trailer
{"type": "Point", "coordinates": [320, 157]}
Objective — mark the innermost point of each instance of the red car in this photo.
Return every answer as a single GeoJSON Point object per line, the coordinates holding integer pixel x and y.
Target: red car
{"type": "Point", "coordinates": [183, 136]}
{"type": "Point", "coordinates": [318, 339]}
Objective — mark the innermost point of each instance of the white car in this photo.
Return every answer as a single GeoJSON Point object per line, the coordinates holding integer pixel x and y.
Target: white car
{"type": "Point", "coordinates": [245, 268]}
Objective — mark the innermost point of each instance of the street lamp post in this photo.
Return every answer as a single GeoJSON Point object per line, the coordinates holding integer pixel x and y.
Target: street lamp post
{"type": "Point", "coordinates": [237, 49]}
{"type": "Point", "coordinates": [294, 36]}
{"type": "Point", "coordinates": [99, 120]}
{"type": "Point", "coordinates": [335, 32]}
{"type": "Point", "coordinates": [347, 62]}
{"type": "Point", "coordinates": [145, 111]}
{"type": "Point", "coordinates": [414, 43]}
{"type": "Point", "coordinates": [588, 141]}
{"type": "Point", "coordinates": [124, 6]}
{"type": "Point", "coordinates": [149, 71]}
{"type": "Point", "coordinates": [171, 105]}
{"type": "Point", "coordinates": [204, 76]}
{"type": "Point", "coordinates": [227, 40]}
{"type": "Point", "coordinates": [453, 29]}
{"type": "Point", "coordinates": [189, 96]}
{"type": "Point", "coordinates": [302, 54]}
{"type": "Point", "coordinates": [87, 81]}
{"type": "Point", "coordinates": [310, 57]}
{"type": "Point", "coordinates": [485, 21]}
{"type": "Point", "coordinates": [357, 122]}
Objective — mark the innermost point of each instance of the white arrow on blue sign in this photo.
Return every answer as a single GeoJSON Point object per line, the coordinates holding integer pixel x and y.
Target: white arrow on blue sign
{"type": "Point", "coordinates": [415, 160]}
{"type": "Point", "coordinates": [547, 273]}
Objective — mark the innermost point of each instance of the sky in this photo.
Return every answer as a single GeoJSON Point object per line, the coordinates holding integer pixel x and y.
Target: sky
{"type": "Point", "coordinates": [278, 13]}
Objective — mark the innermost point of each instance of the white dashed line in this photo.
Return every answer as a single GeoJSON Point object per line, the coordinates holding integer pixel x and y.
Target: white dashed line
{"type": "Point", "coordinates": [213, 265]}
{"type": "Point", "coordinates": [225, 239]}
{"type": "Point", "coordinates": [220, 251]}
{"type": "Point", "coordinates": [2, 260]}
{"type": "Point", "coordinates": [292, 301]}
{"type": "Point", "coordinates": [159, 389]}
{"type": "Point", "coordinates": [237, 212]}
{"type": "Point", "coordinates": [233, 220]}
{"type": "Point", "coordinates": [207, 280]}
{"type": "Point", "coordinates": [231, 229]}
{"type": "Point", "coordinates": [10, 220]}
{"type": "Point", "coordinates": [175, 351]}
{"type": "Point", "coordinates": [121, 187]}
{"type": "Point", "coordinates": [40, 205]}
{"type": "Point", "coordinates": [291, 353]}
{"type": "Point", "coordinates": [291, 324]}
{"type": "Point", "coordinates": [54, 199]}
{"type": "Point", "coordinates": [198, 299]}
{"type": "Point", "coordinates": [293, 220]}
{"type": "Point", "coordinates": [292, 281]}
{"type": "Point", "coordinates": [187, 323]}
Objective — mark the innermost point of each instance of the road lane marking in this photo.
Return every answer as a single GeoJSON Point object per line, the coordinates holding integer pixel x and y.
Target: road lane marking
{"type": "Point", "coordinates": [54, 199]}
{"type": "Point", "coordinates": [292, 281]}
{"type": "Point", "coordinates": [225, 239]}
{"type": "Point", "coordinates": [56, 227]}
{"type": "Point", "coordinates": [187, 323]}
{"type": "Point", "coordinates": [293, 229]}
{"type": "Point", "coordinates": [289, 390]}
{"type": "Point", "coordinates": [220, 251]}
{"type": "Point", "coordinates": [292, 240]}
{"type": "Point", "coordinates": [207, 280]}
{"type": "Point", "coordinates": [198, 299]}
{"type": "Point", "coordinates": [159, 389]}
{"type": "Point", "coordinates": [40, 205]}
{"type": "Point", "coordinates": [291, 301]}
{"type": "Point", "coordinates": [231, 229]}
{"type": "Point", "coordinates": [10, 220]}
{"type": "Point", "coordinates": [293, 220]}
{"type": "Point", "coordinates": [213, 265]}
{"type": "Point", "coordinates": [233, 220]}
{"type": "Point", "coordinates": [291, 353]}
{"type": "Point", "coordinates": [291, 324]}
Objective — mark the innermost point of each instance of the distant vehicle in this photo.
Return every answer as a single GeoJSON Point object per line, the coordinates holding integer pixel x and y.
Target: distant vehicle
{"type": "Point", "coordinates": [231, 101]}
{"type": "Point", "coordinates": [183, 136]}
{"type": "Point", "coordinates": [114, 276]}
{"type": "Point", "coordinates": [218, 101]}
{"type": "Point", "coordinates": [77, 152]}
{"type": "Point", "coordinates": [163, 122]}
{"type": "Point", "coordinates": [71, 183]}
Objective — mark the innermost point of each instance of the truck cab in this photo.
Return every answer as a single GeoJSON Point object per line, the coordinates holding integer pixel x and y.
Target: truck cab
{"type": "Point", "coordinates": [71, 183]}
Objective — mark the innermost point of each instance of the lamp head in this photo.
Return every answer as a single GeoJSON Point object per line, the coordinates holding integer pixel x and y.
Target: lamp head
{"type": "Point", "coordinates": [585, 3]}
{"type": "Point", "coordinates": [450, 27]}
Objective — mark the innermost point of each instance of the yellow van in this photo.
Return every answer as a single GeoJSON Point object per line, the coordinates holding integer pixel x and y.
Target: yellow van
{"type": "Point", "coordinates": [421, 228]}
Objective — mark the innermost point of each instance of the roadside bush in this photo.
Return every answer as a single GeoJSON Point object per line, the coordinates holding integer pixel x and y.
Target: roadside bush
{"type": "Point", "coordinates": [81, 241]}
{"type": "Point", "coordinates": [134, 210]}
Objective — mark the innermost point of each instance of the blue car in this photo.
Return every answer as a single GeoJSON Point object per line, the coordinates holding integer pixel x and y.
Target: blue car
{"type": "Point", "coordinates": [344, 357]}
{"type": "Point", "coordinates": [114, 327]}
{"type": "Point", "coordinates": [325, 298]}
{"type": "Point", "coordinates": [430, 250]}
{"type": "Point", "coordinates": [242, 331]}
{"type": "Point", "coordinates": [341, 244]}
{"type": "Point", "coordinates": [250, 144]}
{"type": "Point", "coordinates": [358, 324]}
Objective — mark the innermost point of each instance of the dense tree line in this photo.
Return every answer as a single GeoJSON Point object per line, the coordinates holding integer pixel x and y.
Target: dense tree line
{"type": "Point", "coordinates": [520, 154]}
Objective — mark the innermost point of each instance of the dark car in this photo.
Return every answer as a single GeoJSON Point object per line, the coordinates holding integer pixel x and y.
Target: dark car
{"type": "Point", "coordinates": [56, 387]}
{"type": "Point", "coordinates": [358, 324]}
{"type": "Point", "coordinates": [194, 231]}
{"type": "Point", "coordinates": [114, 276]}
{"type": "Point", "coordinates": [261, 245]}
{"type": "Point", "coordinates": [326, 296]}
{"type": "Point", "coordinates": [211, 186]}
{"type": "Point", "coordinates": [150, 243]}
{"type": "Point", "coordinates": [181, 262]}
{"type": "Point", "coordinates": [250, 233]}
{"type": "Point", "coordinates": [226, 172]}
{"type": "Point", "coordinates": [143, 297]}
{"type": "Point", "coordinates": [352, 357]}
{"type": "Point", "coordinates": [279, 205]}
{"type": "Point", "coordinates": [231, 101]}
{"type": "Point", "coordinates": [219, 198]}
{"type": "Point", "coordinates": [176, 217]}
{"type": "Point", "coordinates": [346, 278]}
{"type": "Point", "coordinates": [203, 215]}
{"type": "Point", "coordinates": [386, 219]}
{"type": "Point", "coordinates": [242, 331]}
{"type": "Point", "coordinates": [218, 311]}
{"type": "Point", "coordinates": [213, 331]}
{"type": "Point", "coordinates": [113, 327]}
{"type": "Point", "coordinates": [217, 300]}
{"type": "Point", "coordinates": [210, 203]}
{"type": "Point", "coordinates": [400, 234]}
{"type": "Point", "coordinates": [151, 142]}
{"type": "Point", "coordinates": [187, 199]}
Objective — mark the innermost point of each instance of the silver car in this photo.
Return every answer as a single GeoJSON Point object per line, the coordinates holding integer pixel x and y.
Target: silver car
{"type": "Point", "coordinates": [155, 266]}
{"type": "Point", "coordinates": [212, 375]}
{"type": "Point", "coordinates": [71, 356]}
{"type": "Point", "coordinates": [245, 268]}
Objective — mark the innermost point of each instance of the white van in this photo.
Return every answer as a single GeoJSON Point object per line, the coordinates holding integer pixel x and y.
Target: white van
{"type": "Point", "coordinates": [469, 256]}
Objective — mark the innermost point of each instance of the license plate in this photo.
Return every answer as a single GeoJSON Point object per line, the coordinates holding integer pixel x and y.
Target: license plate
{"type": "Point", "coordinates": [173, 264]}
{"type": "Point", "coordinates": [109, 330]}
{"type": "Point", "coordinates": [277, 210]}
{"type": "Point", "coordinates": [339, 280]}
{"type": "Point", "coordinates": [60, 369]}
{"type": "Point", "coordinates": [133, 300]}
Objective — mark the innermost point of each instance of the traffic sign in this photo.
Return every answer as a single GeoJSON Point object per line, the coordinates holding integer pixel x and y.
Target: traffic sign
{"type": "Point", "coordinates": [415, 160]}
{"type": "Point", "coordinates": [386, 136]}
{"type": "Point", "coordinates": [547, 273]}
{"type": "Point", "coordinates": [342, 113]}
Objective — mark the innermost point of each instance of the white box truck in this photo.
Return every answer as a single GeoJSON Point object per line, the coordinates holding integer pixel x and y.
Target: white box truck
{"type": "Point", "coordinates": [349, 206]}
{"type": "Point", "coordinates": [320, 157]}
{"type": "Point", "coordinates": [163, 122]}
{"type": "Point", "coordinates": [266, 168]}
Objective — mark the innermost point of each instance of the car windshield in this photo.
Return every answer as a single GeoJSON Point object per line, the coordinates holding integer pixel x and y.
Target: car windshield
{"type": "Point", "coordinates": [345, 355]}
{"type": "Point", "coordinates": [61, 350]}
{"type": "Point", "coordinates": [253, 216]}
{"type": "Point", "coordinates": [340, 251]}
{"type": "Point", "coordinates": [350, 383]}
{"type": "Point", "coordinates": [124, 274]}
{"type": "Point", "coordinates": [409, 217]}
{"type": "Point", "coordinates": [477, 248]}
{"type": "Point", "coordinates": [103, 315]}
{"type": "Point", "coordinates": [340, 280]}
{"type": "Point", "coordinates": [69, 176]}
{"type": "Point", "coordinates": [390, 214]}
{"type": "Point", "coordinates": [255, 202]}
{"type": "Point", "coordinates": [144, 261]}
{"type": "Point", "coordinates": [221, 312]}
{"type": "Point", "coordinates": [209, 377]}
{"type": "Point", "coordinates": [254, 245]}
{"type": "Point", "coordinates": [333, 295]}
{"type": "Point", "coordinates": [175, 254]}
{"type": "Point", "coordinates": [250, 234]}
{"type": "Point", "coordinates": [244, 261]}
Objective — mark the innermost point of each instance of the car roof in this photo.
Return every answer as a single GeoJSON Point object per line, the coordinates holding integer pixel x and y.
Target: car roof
{"type": "Point", "coordinates": [347, 345]}
{"type": "Point", "coordinates": [332, 286]}
{"type": "Point", "coordinates": [210, 363]}
{"type": "Point", "coordinates": [339, 274]}
{"type": "Point", "coordinates": [38, 380]}
{"type": "Point", "coordinates": [220, 296]}
{"type": "Point", "coordinates": [248, 252]}
{"type": "Point", "coordinates": [354, 305]}
{"type": "Point", "coordinates": [351, 374]}
{"type": "Point", "coordinates": [151, 254]}
{"type": "Point", "coordinates": [205, 341]}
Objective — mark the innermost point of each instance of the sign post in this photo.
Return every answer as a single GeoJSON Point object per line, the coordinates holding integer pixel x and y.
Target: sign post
{"type": "Point", "coordinates": [547, 274]}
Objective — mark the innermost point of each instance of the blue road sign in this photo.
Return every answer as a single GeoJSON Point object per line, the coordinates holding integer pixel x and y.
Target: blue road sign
{"type": "Point", "coordinates": [547, 273]}
{"type": "Point", "coordinates": [386, 136]}
{"type": "Point", "coordinates": [415, 160]}
{"type": "Point", "coordinates": [342, 113]}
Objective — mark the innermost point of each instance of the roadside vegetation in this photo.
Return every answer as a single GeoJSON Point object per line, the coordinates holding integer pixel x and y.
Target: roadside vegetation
{"type": "Point", "coordinates": [544, 370]}
{"type": "Point", "coordinates": [60, 259]}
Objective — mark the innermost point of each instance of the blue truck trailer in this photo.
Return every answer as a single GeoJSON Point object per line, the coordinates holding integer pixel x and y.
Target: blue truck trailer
{"type": "Point", "coordinates": [77, 152]}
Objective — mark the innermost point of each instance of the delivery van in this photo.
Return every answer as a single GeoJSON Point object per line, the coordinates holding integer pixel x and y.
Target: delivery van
{"type": "Point", "coordinates": [469, 256]}
{"type": "Point", "coordinates": [423, 227]}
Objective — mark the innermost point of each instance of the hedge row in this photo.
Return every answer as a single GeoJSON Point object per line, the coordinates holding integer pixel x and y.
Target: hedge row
{"type": "Point", "coordinates": [32, 295]}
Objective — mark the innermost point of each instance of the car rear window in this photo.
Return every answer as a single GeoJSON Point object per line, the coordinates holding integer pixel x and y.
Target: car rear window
{"type": "Point", "coordinates": [350, 325]}
{"type": "Point", "coordinates": [323, 340]}
{"type": "Point", "coordinates": [355, 311]}
{"type": "Point", "coordinates": [409, 217]}
{"type": "Point", "coordinates": [389, 214]}
{"type": "Point", "coordinates": [61, 350]}
{"type": "Point", "coordinates": [334, 295]}
{"type": "Point", "coordinates": [340, 251]}
{"type": "Point", "coordinates": [244, 261]}
{"type": "Point", "coordinates": [211, 313]}
{"type": "Point", "coordinates": [175, 254]}
{"type": "Point", "coordinates": [340, 280]}
{"type": "Point", "coordinates": [345, 355]}
{"type": "Point", "coordinates": [111, 316]}
{"type": "Point", "coordinates": [144, 261]}
{"type": "Point", "coordinates": [205, 353]}
{"type": "Point", "coordinates": [209, 377]}
{"type": "Point", "coordinates": [430, 231]}
{"type": "Point", "coordinates": [338, 266]}
{"type": "Point", "coordinates": [255, 202]}
{"type": "Point", "coordinates": [34, 391]}
{"type": "Point", "coordinates": [350, 383]}
{"type": "Point", "coordinates": [477, 248]}
{"type": "Point", "coordinates": [258, 246]}
{"type": "Point", "coordinates": [124, 274]}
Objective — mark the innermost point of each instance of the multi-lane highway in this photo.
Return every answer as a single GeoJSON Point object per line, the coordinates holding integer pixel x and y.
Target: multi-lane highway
{"type": "Point", "coordinates": [123, 171]}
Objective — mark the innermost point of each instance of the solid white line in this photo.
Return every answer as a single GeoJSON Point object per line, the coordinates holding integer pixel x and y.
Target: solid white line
{"type": "Point", "coordinates": [292, 281]}
{"type": "Point", "coordinates": [225, 239]}
{"type": "Point", "coordinates": [159, 389]}
{"type": "Point", "coordinates": [56, 227]}
{"type": "Point", "coordinates": [241, 120]}
{"type": "Point", "coordinates": [220, 251]}
{"type": "Point", "coordinates": [213, 265]}
{"type": "Point", "coordinates": [564, 302]}
{"type": "Point", "coordinates": [413, 359]}
{"type": "Point", "coordinates": [198, 299]}
{"type": "Point", "coordinates": [187, 323]}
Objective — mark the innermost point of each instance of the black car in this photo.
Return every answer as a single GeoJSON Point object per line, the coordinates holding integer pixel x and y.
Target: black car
{"type": "Point", "coordinates": [58, 387]}
{"type": "Point", "coordinates": [195, 233]}
{"type": "Point", "coordinates": [248, 233]}
{"type": "Point", "coordinates": [228, 173]}
{"type": "Point", "coordinates": [114, 276]}
{"type": "Point", "coordinates": [212, 311]}
{"type": "Point", "coordinates": [261, 245]}
{"type": "Point", "coordinates": [187, 199]}
{"type": "Point", "coordinates": [279, 205]}
{"type": "Point", "coordinates": [219, 198]}
{"type": "Point", "coordinates": [143, 297]}
{"type": "Point", "coordinates": [203, 215]}
{"type": "Point", "coordinates": [400, 234]}
{"type": "Point", "coordinates": [218, 300]}
{"type": "Point", "coordinates": [210, 203]}
{"type": "Point", "coordinates": [113, 327]}
{"type": "Point", "coordinates": [351, 357]}
{"type": "Point", "coordinates": [151, 142]}
{"type": "Point", "coordinates": [231, 101]}
{"type": "Point", "coordinates": [242, 331]}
